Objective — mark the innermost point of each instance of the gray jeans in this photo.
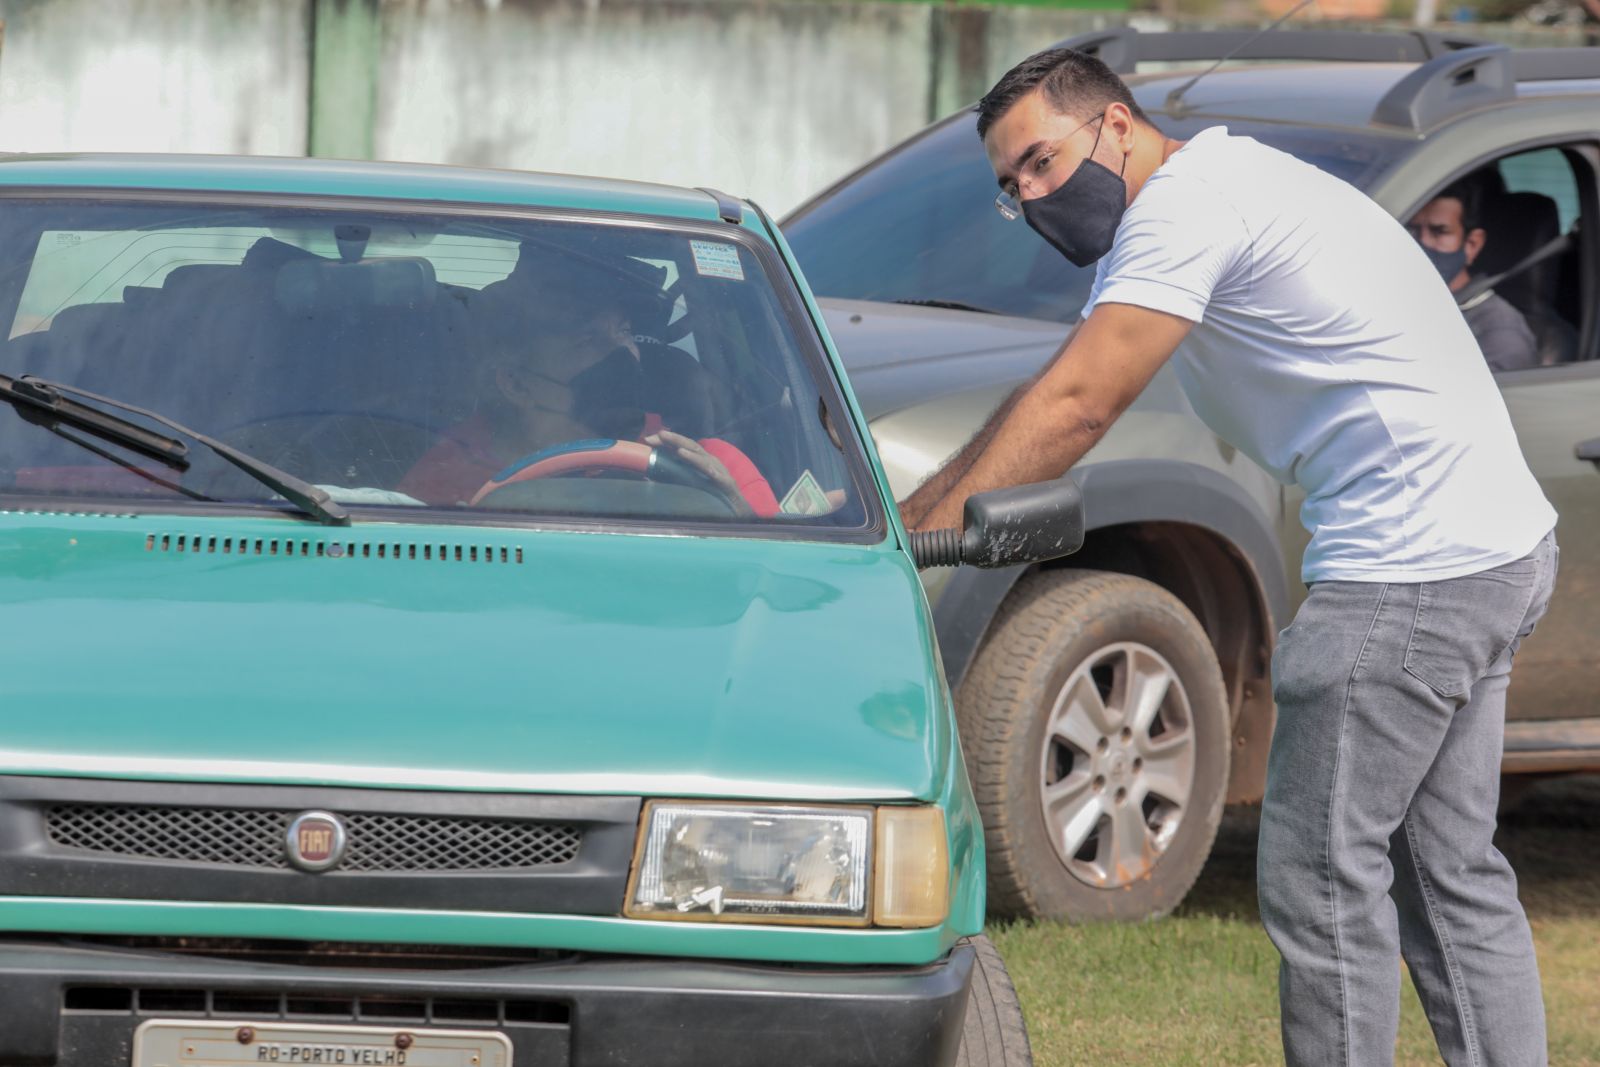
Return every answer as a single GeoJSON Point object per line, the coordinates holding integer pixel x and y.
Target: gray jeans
{"type": "Point", "coordinates": [1378, 823]}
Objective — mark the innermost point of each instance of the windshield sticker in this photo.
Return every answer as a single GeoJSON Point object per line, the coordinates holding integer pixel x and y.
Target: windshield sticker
{"type": "Point", "coordinates": [805, 497]}
{"type": "Point", "coordinates": [717, 260]}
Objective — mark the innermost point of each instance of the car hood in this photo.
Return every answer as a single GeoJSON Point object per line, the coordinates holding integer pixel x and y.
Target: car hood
{"type": "Point", "coordinates": [902, 355]}
{"type": "Point", "coordinates": [268, 650]}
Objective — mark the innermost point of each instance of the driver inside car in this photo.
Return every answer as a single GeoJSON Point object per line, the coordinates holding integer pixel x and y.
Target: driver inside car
{"type": "Point", "coordinates": [569, 372]}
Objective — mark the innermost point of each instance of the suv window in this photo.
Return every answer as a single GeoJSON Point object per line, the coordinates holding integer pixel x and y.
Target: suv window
{"type": "Point", "coordinates": [411, 361]}
{"type": "Point", "coordinates": [1545, 171]}
{"type": "Point", "coordinates": [1526, 201]}
{"type": "Point", "coordinates": [919, 225]}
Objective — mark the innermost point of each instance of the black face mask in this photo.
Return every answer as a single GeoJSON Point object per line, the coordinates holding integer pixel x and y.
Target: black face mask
{"type": "Point", "coordinates": [1081, 217]}
{"type": "Point", "coordinates": [1448, 264]}
{"type": "Point", "coordinates": [609, 396]}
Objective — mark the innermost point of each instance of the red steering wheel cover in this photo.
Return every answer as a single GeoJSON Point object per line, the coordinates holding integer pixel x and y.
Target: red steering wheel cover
{"type": "Point", "coordinates": [618, 456]}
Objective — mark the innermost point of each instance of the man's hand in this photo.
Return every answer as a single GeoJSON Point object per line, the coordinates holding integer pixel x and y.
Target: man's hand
{"type": "Point", "coordinates": [693, 453]}
{"type": "Point", "coordinates": [1104, 365]}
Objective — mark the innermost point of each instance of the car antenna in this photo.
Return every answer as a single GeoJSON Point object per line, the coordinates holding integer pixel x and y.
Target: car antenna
{"type": "Point", "coordinates": [1174, 102]}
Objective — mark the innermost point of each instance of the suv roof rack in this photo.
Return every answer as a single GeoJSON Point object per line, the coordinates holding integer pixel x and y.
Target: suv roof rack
{"type": "Point", "coordinates": [1555, 64]}
{"type": "Point", "coordinates": [1123, 48]}
{"type": "Point", "coordinates": [1455, 74]}
{"type": "Point", "coordinates": [1447, 86]}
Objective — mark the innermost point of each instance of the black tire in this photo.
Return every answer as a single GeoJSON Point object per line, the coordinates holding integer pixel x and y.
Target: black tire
{"type": "Point", "coordinates": [992, 1033]}
{"type": "Point", "coordinates": [1051, 625]}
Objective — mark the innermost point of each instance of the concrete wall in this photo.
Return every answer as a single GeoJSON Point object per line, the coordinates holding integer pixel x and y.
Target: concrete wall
{"type": "Point", "coordinates": [771, 101]}
{"type": "Point", "coordinates": [154, 75]}
{"type": "Point", "coordinates": [767, 99]}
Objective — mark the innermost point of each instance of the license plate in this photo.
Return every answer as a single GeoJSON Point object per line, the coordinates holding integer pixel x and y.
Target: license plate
{"type": "Point", "coordinates": [174, 1043]}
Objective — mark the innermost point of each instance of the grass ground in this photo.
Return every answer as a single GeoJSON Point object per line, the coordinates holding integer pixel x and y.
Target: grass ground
{"type": "Point", "coordinates": [1201, 987]}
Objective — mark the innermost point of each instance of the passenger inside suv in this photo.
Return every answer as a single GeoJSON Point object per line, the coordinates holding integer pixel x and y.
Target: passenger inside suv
{"type": "Point", "coordinates": [1449, 228]}
{"type": "Point", "coordinates": [1531, 204]}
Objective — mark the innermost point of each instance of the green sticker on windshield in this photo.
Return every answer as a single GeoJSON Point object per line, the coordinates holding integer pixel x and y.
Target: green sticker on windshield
{"type": "Point", "coordinates": [805, 497]}
{"type": "Point", "coordinates": [717, 260]}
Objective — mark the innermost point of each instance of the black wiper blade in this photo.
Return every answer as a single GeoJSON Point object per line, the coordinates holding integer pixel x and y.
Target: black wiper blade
{"type": "Point", "coordinates": [953, 305]}
{"type": "Point", "coordinates": [42, 400]}
{"type": "Point", "coordinates": [127, 465]}
{"type": "Point", "coordinates": [39, 403]}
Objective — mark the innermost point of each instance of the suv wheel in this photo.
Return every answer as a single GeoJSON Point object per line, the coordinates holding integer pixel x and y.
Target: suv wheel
{"type": "Point", "coordinates": [1096, 730]}
{"type": "Point", "coordinates": [992, 1033]}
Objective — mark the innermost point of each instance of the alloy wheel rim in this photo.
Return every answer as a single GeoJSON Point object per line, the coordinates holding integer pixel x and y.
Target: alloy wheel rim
{"type": "Point", "coordinates": [1117, 765]}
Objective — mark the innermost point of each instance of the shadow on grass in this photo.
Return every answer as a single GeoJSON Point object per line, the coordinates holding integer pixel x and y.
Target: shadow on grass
{"type": "Point", "coordinates": [1548, 830]}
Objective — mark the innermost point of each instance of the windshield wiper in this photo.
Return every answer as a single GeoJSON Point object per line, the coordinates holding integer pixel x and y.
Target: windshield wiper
{"type": "Point", "coordinates": [953, 305]}
{"type": "Point", "coordinates": [41, 401]}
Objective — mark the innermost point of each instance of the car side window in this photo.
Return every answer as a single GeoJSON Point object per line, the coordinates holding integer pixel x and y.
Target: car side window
{"type": "Point", "coordinates": [1532, 216]}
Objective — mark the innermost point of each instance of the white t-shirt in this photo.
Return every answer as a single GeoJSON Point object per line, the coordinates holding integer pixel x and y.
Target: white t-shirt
{"type": "Point", "coordinates": [1327, 349]}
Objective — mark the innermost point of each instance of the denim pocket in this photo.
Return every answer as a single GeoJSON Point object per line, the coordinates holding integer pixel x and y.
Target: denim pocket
{"type": "Point", "coordinates": [1464, 624]}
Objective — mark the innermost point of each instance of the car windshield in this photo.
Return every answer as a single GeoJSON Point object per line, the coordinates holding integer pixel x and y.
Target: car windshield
{"type": "Point", "coordinates": [919, 225]}
{"type": "Point", "coordinates": [410, 362]}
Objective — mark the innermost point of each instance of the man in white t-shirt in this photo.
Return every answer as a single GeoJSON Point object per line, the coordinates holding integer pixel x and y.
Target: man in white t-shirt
{"type": "Point", "coordinates": [1311, 332]}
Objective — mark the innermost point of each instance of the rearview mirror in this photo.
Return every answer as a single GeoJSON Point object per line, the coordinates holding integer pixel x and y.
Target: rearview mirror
{"type": "Point", "coordinates": [321, 286]}
{"type": "Point", "coordinates": [1006, 527]}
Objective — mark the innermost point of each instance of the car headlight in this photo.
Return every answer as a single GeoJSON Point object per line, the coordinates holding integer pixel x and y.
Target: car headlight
{"type": "Point", "coordinates": [828, 865]}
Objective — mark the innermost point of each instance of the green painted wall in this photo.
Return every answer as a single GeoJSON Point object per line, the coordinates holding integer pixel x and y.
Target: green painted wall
{"type": "Point", "coordinates": [345, 49]}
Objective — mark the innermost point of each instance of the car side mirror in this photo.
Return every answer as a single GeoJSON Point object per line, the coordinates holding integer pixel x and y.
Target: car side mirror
{"type": "Point", "coordinates": [1006, 527]}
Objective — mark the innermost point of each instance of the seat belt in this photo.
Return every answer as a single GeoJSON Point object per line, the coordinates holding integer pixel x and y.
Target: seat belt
{"type": "Point", "coordinates": [1478, 286]}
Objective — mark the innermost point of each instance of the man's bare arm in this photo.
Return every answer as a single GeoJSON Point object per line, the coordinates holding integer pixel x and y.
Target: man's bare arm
{"type": "Point", "coordinates": [914, 508]}
{"type": "Point", "coordinates": [1104, 366]}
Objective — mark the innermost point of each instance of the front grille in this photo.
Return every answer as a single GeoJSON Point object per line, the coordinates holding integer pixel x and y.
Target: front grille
{"type": "Point", "coordinates": [412, 843]}
{"type": "Point", "coordinates": [254, 837]}
{"type": "Point", "coordinates": [310, 1006]}
{"type": "Point", "coordinates": [227, 843]}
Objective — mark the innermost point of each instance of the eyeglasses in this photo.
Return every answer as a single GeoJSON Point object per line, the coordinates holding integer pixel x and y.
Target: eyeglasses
{"type": "Point", "coordinates": [1009, 202]}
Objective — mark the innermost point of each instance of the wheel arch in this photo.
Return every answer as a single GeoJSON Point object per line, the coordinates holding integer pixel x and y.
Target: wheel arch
{"type": "Point", "coordinates": [1195, 533]}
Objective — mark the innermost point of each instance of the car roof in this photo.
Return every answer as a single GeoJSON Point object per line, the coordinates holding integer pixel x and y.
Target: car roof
{"type": "Point", "coordinates": [1407, 83]}
{"type": "Point", "coordinates": [429, 183]}
{"type": "Point", "coordinates": [1333, 95]}
{"type": "Point", "coordinates": [1306, 94]}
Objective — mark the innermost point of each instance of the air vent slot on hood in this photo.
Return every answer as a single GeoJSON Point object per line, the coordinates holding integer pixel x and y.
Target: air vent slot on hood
{"type": "Point", "coordinates": [307, 548]}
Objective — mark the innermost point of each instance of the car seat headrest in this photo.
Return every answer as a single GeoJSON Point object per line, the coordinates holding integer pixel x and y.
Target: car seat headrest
{"type": "Point", "coordinates": [1515, 225]}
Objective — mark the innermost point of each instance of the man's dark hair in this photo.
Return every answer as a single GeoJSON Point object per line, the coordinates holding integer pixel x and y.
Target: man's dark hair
{"type": "Point", "coordinates": [1074, 83]}
{"type": "Point", "coordinates": [1469, 191]}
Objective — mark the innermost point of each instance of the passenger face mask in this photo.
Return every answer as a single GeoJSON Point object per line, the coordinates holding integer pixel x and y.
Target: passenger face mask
{"type": "Point", "coordinates": [1448, 264]}
{"type": "Point", "coordinates": [1080, 218]}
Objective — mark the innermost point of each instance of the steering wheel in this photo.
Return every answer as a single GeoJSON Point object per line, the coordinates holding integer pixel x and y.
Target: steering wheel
{"type": "Point", "coordinates": [607, 455]}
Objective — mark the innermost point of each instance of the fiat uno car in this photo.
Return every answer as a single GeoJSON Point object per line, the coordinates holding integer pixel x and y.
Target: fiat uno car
{"type": "Point", "coordinates": [457, 619]}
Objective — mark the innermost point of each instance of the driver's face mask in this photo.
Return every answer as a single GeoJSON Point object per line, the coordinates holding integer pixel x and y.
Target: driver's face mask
{"type": "Point", "coordinates": [1080, 218]}
{"type": "Point", "coordinates": [609, 396]}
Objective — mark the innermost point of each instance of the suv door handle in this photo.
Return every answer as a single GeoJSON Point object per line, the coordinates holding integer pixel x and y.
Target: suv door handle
{"type": "Point", "coordinates": [1589, 450]}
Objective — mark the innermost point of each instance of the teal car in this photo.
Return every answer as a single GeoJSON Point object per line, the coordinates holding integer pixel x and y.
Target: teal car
{"type": "Point", "coordinates": [458, 619]}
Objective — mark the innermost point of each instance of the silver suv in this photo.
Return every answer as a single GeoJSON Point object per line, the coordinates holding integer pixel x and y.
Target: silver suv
{"type": "Point", "coordinates": [1138, 670]}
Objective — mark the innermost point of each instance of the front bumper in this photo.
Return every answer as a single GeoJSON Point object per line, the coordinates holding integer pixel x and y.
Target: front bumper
{"type": "Point", "coordinates": [78, 1006]}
